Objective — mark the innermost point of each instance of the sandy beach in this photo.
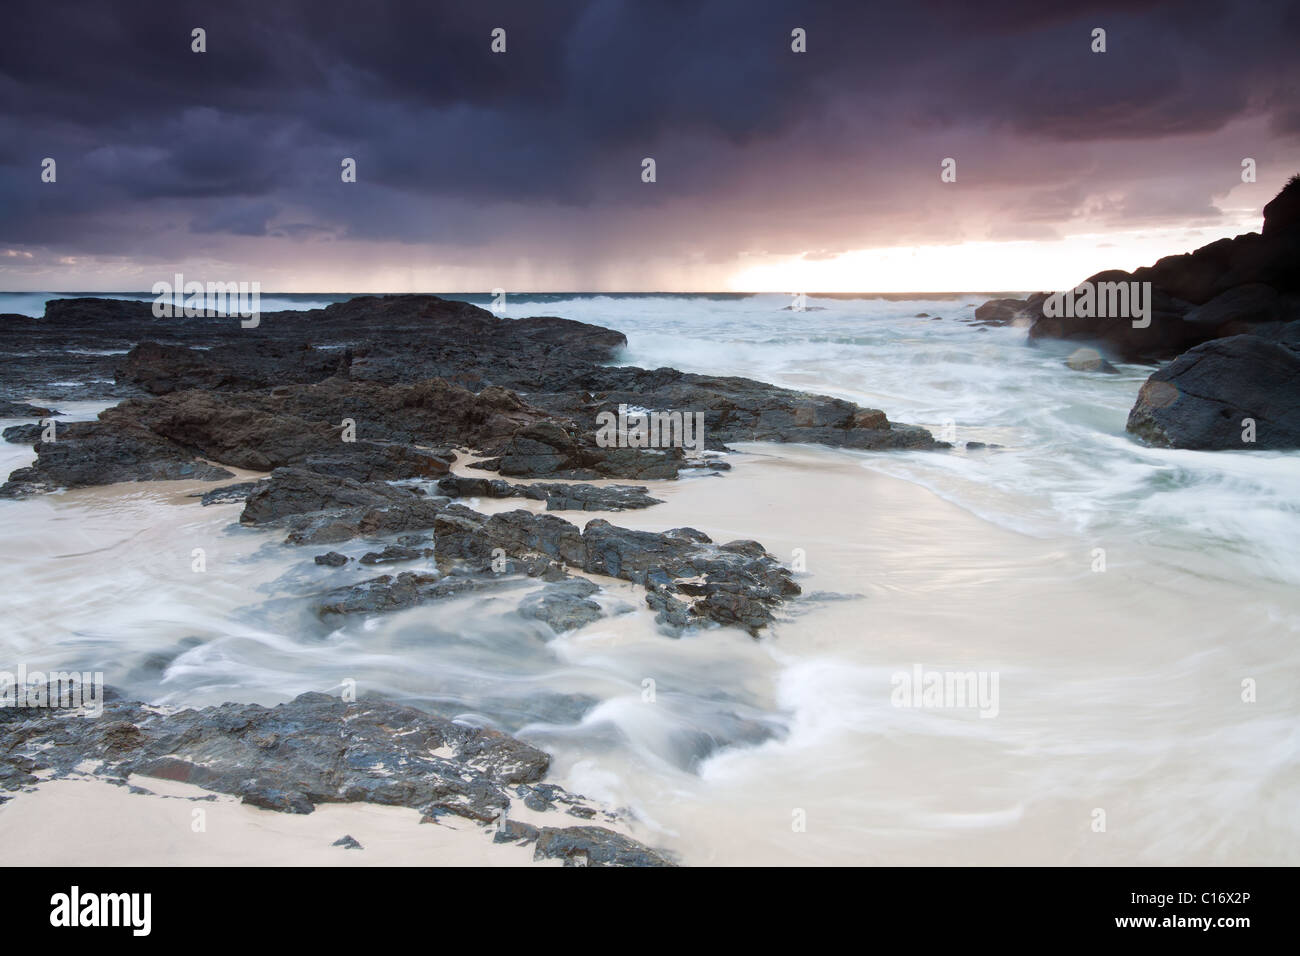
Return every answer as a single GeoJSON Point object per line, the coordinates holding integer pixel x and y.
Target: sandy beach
{"type": "Point", "coordinates": [895, 576]}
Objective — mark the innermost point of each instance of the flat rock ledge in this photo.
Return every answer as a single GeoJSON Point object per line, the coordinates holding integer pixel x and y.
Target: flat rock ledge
{"type": "Point", "coordinates": [384, 388]}
{"type": "Point", "coordinates": [319, 749]}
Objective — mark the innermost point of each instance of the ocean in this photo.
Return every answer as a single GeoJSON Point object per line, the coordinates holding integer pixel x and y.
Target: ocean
{"type": "Point", "coordinates": [1139, 608]}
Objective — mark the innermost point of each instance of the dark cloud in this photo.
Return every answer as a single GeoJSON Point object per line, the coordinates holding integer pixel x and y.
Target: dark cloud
{"type": "Point", "coordinates": [539, 149]}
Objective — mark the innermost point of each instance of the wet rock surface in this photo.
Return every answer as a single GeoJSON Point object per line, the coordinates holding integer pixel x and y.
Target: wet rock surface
{"type": "Point", "coordinates": [1240, 393]}
{"type": "Point", "coordinates": [358, 413]}
{"type": "Point", "coordinates": [313, 750]}
{"type": "Point", "coordinates": [28, 434]}
{"type": "Point", "coordinates": [1089, 360]}
{"type": "Point", "coordinates": [24, 410]}
{"type": "Point", "coordinates": [741, 586]}
{"type": "Point", "coordinates": [295, 491]}
{"type": "Point", "coordinates": [593, 846]}
{"type": "Point", "coordinates": [564, 605]}
{"type": "Point", "coordinates": [692, 580]}
{"type": "Point", "coordinates": [395, 592]}
{"type": "Point", "coordinates": [379, 387]}
{"type": "Point", "coordinates": [1228, 314]}
{"type": "Point", "coordinates": [558, 496]}
{"type": "Point", "coordinates": [226, 494]}
{"type": "Point", "coordinates": [1007, 311]}
{"type": "Point", "coordinates": [84, 454]}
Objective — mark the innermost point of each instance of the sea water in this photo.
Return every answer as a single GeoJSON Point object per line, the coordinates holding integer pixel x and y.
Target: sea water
{"type": "Point", "coordinates": [1137, 607]}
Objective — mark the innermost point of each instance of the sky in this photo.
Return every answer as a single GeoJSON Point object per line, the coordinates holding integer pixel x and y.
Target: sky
{"type": "Point", "coordinates": [523, 170]}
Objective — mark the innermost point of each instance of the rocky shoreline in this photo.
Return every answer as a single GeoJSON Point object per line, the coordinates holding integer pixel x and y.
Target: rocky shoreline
{"type": "Point", "coordinates": [364, 418]}
{"type": "Point", "coordinates": [417, 376]}
{"type": "Point", "coordinates": [1228, 314]}
{"type": "Point", "coordinates": [359, 412]}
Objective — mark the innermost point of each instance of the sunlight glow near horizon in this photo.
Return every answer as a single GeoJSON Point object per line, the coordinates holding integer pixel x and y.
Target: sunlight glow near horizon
{"type": "Point", "coordinates": [973, 266]}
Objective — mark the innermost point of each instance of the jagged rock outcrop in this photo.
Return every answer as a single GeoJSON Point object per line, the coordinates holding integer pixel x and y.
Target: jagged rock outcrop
{"type": "Point", "coordinates": [1246, 284]}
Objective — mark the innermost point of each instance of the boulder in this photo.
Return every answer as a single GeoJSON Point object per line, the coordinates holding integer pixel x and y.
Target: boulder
{"type": "Point", "coordinates": [564, 605]}
{"type": "Point", "coordinates": [1086, 360]}
{"type": "Point", "coordinates": [1202, 399]}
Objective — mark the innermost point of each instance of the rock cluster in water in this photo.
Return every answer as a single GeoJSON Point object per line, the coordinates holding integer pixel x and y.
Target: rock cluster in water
{"type": "Point", "coordinates": [1228, 314]}
{"type": "Point", "coordinates": [359, 412]}
{"type": "Point", "coordinates": [415, 375]}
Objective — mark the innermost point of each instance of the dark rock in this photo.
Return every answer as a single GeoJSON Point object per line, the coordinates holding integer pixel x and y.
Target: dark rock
{"type": "Point", "coordinates": [1222, 289]}
{"type": "Point", "coordinates": [549, 449]}
{"type": "Point", "coordinates": [558, 496]}
{"type": "Point", "coordinates": [1201, 398]}
{"type": "Point", "coordinates": [226, 493]}
{"type": "Point", "coordinates": [457, 486]}
{"type": "Point", "coordinates": [738, 583]}
{"type": "Point", "coordinates": [734, 409]}
{"type": "Point", "coordinates": [564, 605]}
{"type": "Point", "coordinates": [1166, 334]}
{"type": "Point", "coordinates": [93, 453]}
{"type": "Point", "coordinates": [726, 586]}
{"type": "Point", "coordinates": [261, 433]}
{"type": "Point", "coordinates": [417, 375]}
{"type": "Point", "coordinates": [388, 593]}
{"type": "Point", "coordinates": [594, 846]}
{"type": "Point", "coordinates": [24, 410]}
{"type": "Point", "coordinates": [336, 526]}
{"type": "Point", "coordinates": [23, 434]}
{"type": "Point", "coordinates": [332, 559]}
{"type": "Point", "coordinates": [394, 553]}
{"type": "Point", "coordinates": [512, 831]}
{"type": "Point", "coordinates": [1004, 312]}
{"type": "Point", "coordinates": [1283, 333]}
{"type": "Point", "coordinates": [707, 463]}
{"type": "Point", "coordinates": [296, 491]}
{"type": "Point", "coordinates": [1087, 360]}
{"type": "Point", "coordinates": [1282, 213]}
{"type": "Point", "coordinates": [1235, 311]}
{"type": "Point", "coordinates": [315, 749]}
{"type": "Point", "coordinates": [670, 613]}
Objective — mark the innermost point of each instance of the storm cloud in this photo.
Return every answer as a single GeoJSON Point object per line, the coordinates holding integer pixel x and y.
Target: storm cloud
{"type": "Point", "coordinates": [527, 164]}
